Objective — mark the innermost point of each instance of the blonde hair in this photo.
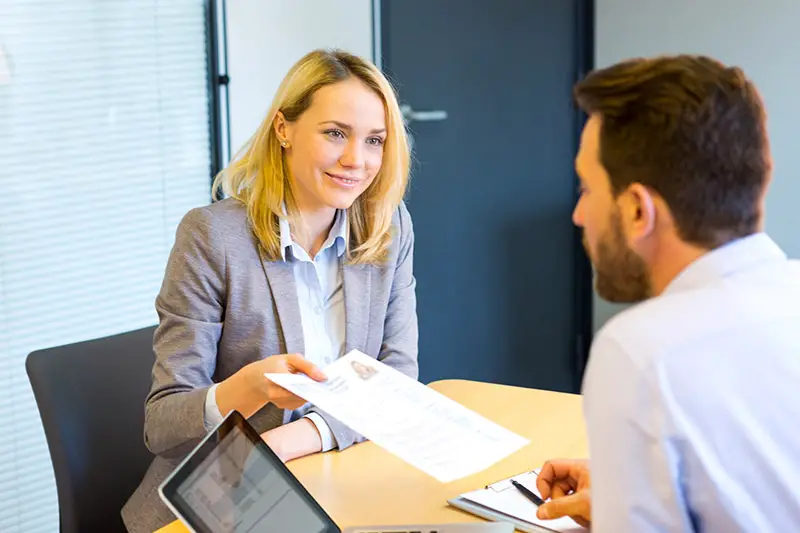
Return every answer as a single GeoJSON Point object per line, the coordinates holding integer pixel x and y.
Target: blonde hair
{"type": "Point", "coordinates": [259, 176]}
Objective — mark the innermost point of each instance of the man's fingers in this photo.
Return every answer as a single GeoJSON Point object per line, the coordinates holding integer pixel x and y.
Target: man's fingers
{"type": "Point", "coordinates": [575, 506]}
{"type": "Point", "coordinates": [559, 491]}
{"type": "Point", "coordinates": [555, 471]}
{"type": "Point", "coordinates": [546, 479]}
{"type": "Point", "coordinates": [566, 486]}
{"type": "Point", "coordinates": [544, 488]}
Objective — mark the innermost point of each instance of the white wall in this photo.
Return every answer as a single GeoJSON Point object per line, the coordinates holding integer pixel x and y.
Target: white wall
{"type": "Point", "coordinates": [761, 37]}
{"type": "Point", "coordinates": [265, 37]}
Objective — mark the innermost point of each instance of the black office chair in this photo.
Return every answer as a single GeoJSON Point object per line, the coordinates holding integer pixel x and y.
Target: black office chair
{"type": "Point", "coordinates": [91, 400]}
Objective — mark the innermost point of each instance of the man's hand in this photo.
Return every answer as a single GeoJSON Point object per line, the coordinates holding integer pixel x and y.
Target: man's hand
{"type": "Point", "coordinates": [567, 484]}
{"type": "Point", "coordinates": [293, 440]}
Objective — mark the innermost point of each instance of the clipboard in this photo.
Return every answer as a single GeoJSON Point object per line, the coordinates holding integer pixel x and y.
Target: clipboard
{"type": "Point", "coordinates": [501, 502]}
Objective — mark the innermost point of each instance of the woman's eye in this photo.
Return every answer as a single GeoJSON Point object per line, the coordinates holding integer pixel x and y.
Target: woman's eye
{"type": "Point", "coordinates": [375, 141]}
{"type": "Point", "coordinates": [336, 134]}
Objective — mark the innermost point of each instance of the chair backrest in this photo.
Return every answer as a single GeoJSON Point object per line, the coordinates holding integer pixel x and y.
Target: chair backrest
{"type": "Point", "coordinates": [91, 399]}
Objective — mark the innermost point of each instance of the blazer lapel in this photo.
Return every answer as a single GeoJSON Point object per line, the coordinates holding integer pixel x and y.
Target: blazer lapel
{"type": "Point", "coordinates": [280, 276]}
{"type": "Point", "coordinates": [356, 286]}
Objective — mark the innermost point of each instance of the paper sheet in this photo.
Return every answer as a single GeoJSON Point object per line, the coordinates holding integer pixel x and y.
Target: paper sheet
{"type": "Point", "coordinates": [505, 498]}
{"type": "Point", "coordinates": [424, 428]}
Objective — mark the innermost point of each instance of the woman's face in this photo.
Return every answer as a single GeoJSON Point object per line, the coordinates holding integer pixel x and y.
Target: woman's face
{"type": "Point", "coordinates": [335, 148]}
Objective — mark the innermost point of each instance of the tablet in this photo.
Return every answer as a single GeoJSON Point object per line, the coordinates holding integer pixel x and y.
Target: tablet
{"type": "Point", "coordinates": [232, 482]}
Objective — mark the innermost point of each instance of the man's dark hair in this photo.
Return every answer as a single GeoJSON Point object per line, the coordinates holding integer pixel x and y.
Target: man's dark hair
{"type": "Point", "coordinates": [692, 130]}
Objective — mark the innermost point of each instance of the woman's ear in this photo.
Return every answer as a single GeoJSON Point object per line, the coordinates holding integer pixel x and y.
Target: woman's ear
{"type": "Point", "coordinates": [281, 127]}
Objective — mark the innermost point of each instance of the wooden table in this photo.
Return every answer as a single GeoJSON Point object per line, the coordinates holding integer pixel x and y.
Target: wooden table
{"type": "Point", "coordinates": [367, 485]}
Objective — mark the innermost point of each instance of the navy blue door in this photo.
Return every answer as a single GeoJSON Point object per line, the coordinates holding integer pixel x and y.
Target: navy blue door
{"type": "Point", "coordinates": [502, 284]}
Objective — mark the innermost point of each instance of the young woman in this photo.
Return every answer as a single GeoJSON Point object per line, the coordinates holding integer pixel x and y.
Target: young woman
{"type": "Point", "coordinates": [309, 257]}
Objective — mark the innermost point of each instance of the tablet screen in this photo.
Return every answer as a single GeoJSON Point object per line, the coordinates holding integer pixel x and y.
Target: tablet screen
{"type": "Point", "coordinates": [240, 486]}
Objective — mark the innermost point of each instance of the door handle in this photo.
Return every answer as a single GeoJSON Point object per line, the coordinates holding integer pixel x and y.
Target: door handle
{"type": "Point", "coordinates": [410, 115]}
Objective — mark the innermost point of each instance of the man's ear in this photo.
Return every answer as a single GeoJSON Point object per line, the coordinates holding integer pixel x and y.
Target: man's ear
{"type": "Point", "coordinates": [639, 211]}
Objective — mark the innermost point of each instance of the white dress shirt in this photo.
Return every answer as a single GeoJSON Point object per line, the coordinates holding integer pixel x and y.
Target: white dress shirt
{"type": "Point", "coordinates": [692, 405]}
{"type": "Point", "coordinates": [320, 296]}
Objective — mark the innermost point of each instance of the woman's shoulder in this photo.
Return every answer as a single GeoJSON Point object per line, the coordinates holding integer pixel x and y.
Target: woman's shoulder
{"type": "Point", "coordinates": [401, 233]}
{"type": "Point", "coordinates": [223, 215]}
{"type": "Point", "coordinates": [219, 225]}
{"type": "Point", "coordinates": [401, 220]}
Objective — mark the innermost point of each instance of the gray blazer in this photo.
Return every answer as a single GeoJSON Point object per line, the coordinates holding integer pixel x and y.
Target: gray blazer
{"type": "Point", "coordinates": [223, 306]}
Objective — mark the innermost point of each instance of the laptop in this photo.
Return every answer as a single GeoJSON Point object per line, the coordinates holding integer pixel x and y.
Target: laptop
{"type": "Point", "coordinates": [232, 482]}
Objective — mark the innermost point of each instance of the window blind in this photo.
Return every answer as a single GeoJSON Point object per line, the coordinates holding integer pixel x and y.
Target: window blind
{"type": "Point", "coordinates": [104, 145]}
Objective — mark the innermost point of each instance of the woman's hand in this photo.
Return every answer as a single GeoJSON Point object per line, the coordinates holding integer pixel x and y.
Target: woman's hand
{"type": "Point", "coordinates": [248, 390]}
{"type": "Point", "coordinates": [292, 363]}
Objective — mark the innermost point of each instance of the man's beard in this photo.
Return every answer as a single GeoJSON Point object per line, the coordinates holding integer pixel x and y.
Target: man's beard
{"type": "Point", "coordinates": [620, 275]}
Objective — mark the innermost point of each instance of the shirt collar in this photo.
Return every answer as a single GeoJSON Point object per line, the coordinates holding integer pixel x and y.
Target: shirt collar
{"type": "Point", "coordinates": [337, 236]}
{"type": "Point", "coordinates": [726, 260]}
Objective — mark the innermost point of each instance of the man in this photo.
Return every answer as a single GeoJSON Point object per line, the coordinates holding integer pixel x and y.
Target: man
{"type": "Point", "coordinates": [691, 398]}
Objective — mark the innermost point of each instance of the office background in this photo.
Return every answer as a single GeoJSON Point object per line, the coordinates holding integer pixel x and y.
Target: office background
{"type": "Point", "coordinates": [106, 140]}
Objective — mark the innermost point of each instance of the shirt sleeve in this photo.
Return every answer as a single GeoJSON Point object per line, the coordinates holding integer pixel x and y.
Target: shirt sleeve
{"type": "Point", "coordinates": [328, 440]}
{"type": "Point", "coordinates": [211, 414]}
{"type": "Point", "coordinates": [635, 457]}
{"type": "Point", "coordinates": [213, 417]}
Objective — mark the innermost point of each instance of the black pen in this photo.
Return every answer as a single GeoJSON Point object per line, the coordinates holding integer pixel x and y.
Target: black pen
{"type": "Point", "coordinates": [527, 493]}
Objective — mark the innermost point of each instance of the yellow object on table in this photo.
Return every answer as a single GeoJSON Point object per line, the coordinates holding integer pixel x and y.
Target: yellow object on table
{"type": "Point", "coordinates": [367, 485]}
